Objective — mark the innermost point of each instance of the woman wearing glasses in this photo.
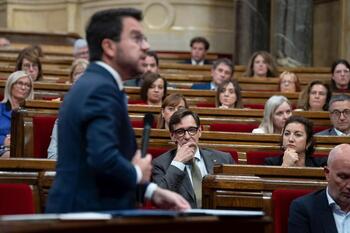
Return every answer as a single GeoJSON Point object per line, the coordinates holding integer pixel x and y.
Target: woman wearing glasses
{"type": "Point", "coordinates": [297, 143]}
{"type": "Point", "coordinates": [315, 97]}
{"type": "Point", "coordinates": [289, 82]}
{"type": "Point", "coordinates": [28, 61]}
{"type": "Point", "coordinates": [19, 87]}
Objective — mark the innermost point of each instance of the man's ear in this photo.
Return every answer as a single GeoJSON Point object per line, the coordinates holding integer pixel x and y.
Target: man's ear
{"type": "Point", "coordinates": [199, 131]}
{"type": "Point", "coordinates": [173, 138]}
{"type": "Point", "coordinates": [326, 172]}
{"type": "Point", "coordinates": [109, 47]}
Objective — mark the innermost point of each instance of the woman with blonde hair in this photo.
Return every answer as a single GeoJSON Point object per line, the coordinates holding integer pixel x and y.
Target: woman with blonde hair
{"type": "Point", "coordinates": [77, 69]}
{"type": "Point", "coordinates": [276, 112]}
{"type": "Point", "coordinates": [289, 82]}
{"type": "Point", "coordinates": [261, 64]}
{"type": "Point", "coordinates": [171, 104]}
{"type": "Point", "coordinates": [18, 88]}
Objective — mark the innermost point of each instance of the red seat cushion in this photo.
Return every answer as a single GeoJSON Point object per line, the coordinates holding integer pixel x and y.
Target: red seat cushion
{"type": "Point", "coordinates": [254, 106]}
{"type": "Point", "coordinates": [258, 157]}
{"type": "Point", "coordinates": [233, 153]}
{"type": "Point", "coordinates": [42, 129]}
{"type": "Point", "coordinates": [136, 102]}
{"type": "Point", "coordinates": [281, 200]}
{"type": "Point", "coordinates": [156, 151]}
{"type": "Point", "coordinates": [139, 124]}
{"type": "Point", "coordinates": [205, 105]}
{"type": "Point", "coordinates": [16, 199]}
{"type": "Point", "coordinates": [234, 127]}
{"type": "Point", "coordinates": [319, 128]}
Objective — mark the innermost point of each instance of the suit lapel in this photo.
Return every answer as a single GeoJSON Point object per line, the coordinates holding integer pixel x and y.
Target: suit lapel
{"type": "Point", "coordinates": [209, 160]}
{"type": "Point", "coordinates": [326, 214]}
{"type": "Point", "coordinates": [187, 185]}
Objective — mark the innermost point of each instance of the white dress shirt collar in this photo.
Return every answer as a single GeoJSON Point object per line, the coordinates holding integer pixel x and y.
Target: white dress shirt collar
{"type": "Point", "coordinates": [113, 72]}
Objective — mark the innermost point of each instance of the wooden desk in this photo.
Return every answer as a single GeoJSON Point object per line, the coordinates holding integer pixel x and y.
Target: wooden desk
{"type": "Point", "coordinates": [193, 224]}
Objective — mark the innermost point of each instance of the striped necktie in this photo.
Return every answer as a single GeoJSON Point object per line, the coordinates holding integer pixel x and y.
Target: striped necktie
{"type": "Point", "coordinates": [197, 182]}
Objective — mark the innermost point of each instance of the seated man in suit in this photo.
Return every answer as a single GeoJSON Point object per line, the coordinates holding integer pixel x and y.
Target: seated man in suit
{"type": "Point", "coordinates": [326, 210]}
{"type": "Point", "coordinates": [181, 169]}
{"type": "Point", "coordinates": [199, 47]}
{"type": "Point", "coordinates": [221, 71]}
{"type": "Point", "coordinates": [339, 110]}
{"type": "Point", "coordinates": [149, 64]}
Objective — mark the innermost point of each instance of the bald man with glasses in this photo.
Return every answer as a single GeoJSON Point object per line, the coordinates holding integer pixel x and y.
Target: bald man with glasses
{"type": "Point", "coordinates": [181, 169]}
{"type": "Point", "coordinates": [339, 110]}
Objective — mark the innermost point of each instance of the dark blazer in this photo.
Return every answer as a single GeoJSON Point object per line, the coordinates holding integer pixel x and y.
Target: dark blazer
{"type": "Point", "coordinates": [329, 132]}
{"type": "Point", "coordinates": [201, 86]}
{"type": "Point", "coordinates": [189, 61]}
{"type": "Point", "coordinates": [311, 214]}
{"type": "Point", "coordinates": [310, 161]}
{"type": "Point", "coordinates": [170, 177]}
{"type": "Point", "coordinates": [95, 146]}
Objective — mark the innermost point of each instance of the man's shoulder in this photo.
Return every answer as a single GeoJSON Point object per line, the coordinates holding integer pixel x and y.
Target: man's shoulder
{"type": "Point", "coordinates": [329, 131]}
{"type": "Point", "coordinates": [311, 198]}
{"type": "Point", "coordinates": [205, 86]}
{"type": "Point", "coordinates": [215, 152]}
{"type": "Point", "coordinates": [164, 157]}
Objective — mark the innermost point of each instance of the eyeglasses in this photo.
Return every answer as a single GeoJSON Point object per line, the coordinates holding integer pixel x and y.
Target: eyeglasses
{"type": "Point", "coordinates": [29, 65]}
{"type": "Point", "coordinates": [139, 38]}
{"type": "Point", "coordinates": [22, 84]}
{"type": "Point", "coordinates": [181, 132]}
{"type": "Point", "coordinates": [337, 113]}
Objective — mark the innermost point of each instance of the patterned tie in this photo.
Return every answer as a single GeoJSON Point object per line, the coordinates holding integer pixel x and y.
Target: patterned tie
{"type": "Point", "coordinates": [197, 182]}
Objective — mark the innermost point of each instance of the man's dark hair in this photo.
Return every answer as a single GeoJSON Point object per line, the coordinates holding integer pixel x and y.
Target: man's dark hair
{"type": "Point", "coordinates": [151, 53]}
{"type": "Point", "coordinates": [200, 39]}
{"type": "Point", "coordinates": [340, 97]}
{"type": "Point", "coordinates": [107, 24]}
{"type": "Point", "coordinates": [179, 114]}
{"type": "Point", "coordinates": [308, 125]}
{"type": "Point", "coordinates": [224, 61]}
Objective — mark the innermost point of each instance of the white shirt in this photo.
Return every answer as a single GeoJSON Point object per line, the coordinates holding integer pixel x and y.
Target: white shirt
{"type": "Point", "coordinates": [341, 218]}
{"type": "Point", "coordinates": [340, 133]}
{"type": "Point", "coordinates": [195, 63]}
{"type": "Point", "coordinates": [152, 186]}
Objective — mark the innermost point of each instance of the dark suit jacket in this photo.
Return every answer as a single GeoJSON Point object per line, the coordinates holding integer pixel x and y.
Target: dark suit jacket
{"type": "Point", "coordinates": [201, 86]}
{"type": "Point", "coordinates": [311, 214]}
{"type": "Point", "coordinates": [189, 61]}
{"type": "Point", "coordinates": [95, 146]}
{"type": "Point", "coordinates": [329, 132]}
{"type": "Point", "coordinates": [170, 177]}
{"type": "Point", "coordinates": [310, 161]}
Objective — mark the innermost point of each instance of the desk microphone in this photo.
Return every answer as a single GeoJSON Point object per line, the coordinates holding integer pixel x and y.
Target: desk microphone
{"type": "Point", "coordinates": [147, 125]}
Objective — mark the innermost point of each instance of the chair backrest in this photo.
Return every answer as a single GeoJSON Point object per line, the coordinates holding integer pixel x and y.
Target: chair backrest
{"type": "Point", "coordinates": [233, 127]}
{"type": "Point", "coordinates": [233, 154]}
{"type": "Point", "coordinates": [16, 199]}
{"type": "Point", "coordinates": [281, 200]}
{"type": "Point", "coordinates": [156, 151]}
{"type": "Point", "coordinates": [258, 157]}
{"type": "Point", "coordinates": [206, 105]}
{"type": "Point", "coordinates": [42, 129]}
{"type": "Point", "coordinates": [254, 106]}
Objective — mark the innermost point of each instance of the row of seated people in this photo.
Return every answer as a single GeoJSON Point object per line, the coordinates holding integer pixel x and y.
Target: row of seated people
{"type": "Point", "coordinates": [274, 105]}
{"type": "Point", "coordinates": [260, 65]}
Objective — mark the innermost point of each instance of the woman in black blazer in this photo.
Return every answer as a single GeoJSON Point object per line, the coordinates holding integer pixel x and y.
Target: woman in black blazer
{"type": "Point", "coordinates": [297, 142]}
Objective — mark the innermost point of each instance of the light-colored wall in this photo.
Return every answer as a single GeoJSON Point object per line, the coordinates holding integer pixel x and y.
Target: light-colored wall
{"type": "Point", "coordinates": [169, 24]}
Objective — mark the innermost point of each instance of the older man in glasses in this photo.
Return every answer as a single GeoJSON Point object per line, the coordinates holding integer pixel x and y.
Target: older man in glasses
{"type": "Point", "coordinates": [339, 110]}
{"type": "Point", "coordinates": [182, 169]}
